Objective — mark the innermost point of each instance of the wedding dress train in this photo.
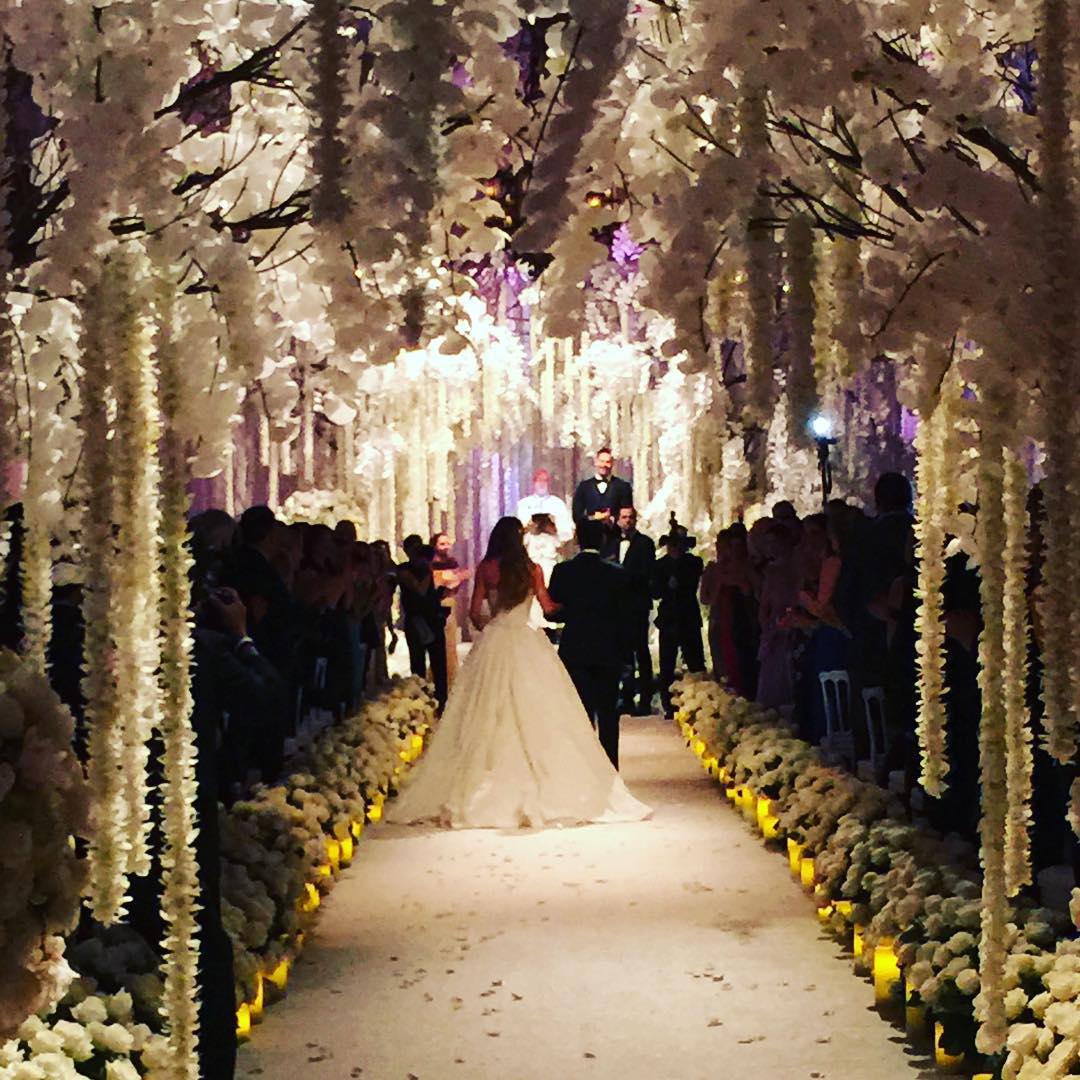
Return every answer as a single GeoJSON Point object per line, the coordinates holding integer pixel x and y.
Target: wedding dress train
{"type": "Point", "coordinates": [514, 747]}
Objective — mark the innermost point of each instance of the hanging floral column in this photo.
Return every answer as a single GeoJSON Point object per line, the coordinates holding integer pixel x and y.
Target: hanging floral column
{"type": "Point", "coordinates": [179, 826]}
{"type": "Point", "coordinates": [136, 586]}
{"type": "Point", "coordinates": [1057, 319]}
{"type": "Point", "coordinates": [801, 272]}
{"type": "Point", "coordinates": [1018, 739]}
{"type": "Point", "coordinates": [991, 539]}
{"type": "Point", "coordinates": [936, 469]}
{"type": "Point", "coordinates": [105, 734]}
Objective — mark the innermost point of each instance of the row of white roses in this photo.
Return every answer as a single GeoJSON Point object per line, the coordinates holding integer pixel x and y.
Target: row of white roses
{"type": "Point", "coordinates": [274, 842]}
{"type": "Point", "coordinates": [904, 884]}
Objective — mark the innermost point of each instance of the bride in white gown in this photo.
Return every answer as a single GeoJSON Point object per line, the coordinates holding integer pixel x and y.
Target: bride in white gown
{"type": "Point", "coordinates": [514, 747]}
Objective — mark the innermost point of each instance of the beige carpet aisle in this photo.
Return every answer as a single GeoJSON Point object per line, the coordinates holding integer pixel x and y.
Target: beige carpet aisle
{"type": "Point", "coordinates": [676, 949]}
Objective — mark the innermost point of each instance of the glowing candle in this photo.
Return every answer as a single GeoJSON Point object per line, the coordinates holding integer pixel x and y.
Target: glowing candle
{"type": "Point", "coordinates": [806, 872]}
{"type": "Point", "coordinates": [794, 853]}
{"type": "Point", "coordinates": [357, 829]}
{"type": "Point", "coordinates": [942, 1058]}
{"type": "Point", "coordinates": [346, 850]}
{"type": "Point", "coordinates": [857, 941]}
{"type": "Point", "coordinates": [764, 811]}
{"type": "Point", "coordinates": [256, 1004]}
{"type": "Point", "coordinates": [914, 1012]}
{"type": "Point", "coordinates": [886, 971]}
{"type": "Point", "coordinates": [243, 1023]}
{"type": "Point", "coordinates": [843, 908]}
{"type": "Point", "coordinates": [279, 976]}
{"type": "Point", "coordinates": [333, 853]}
{"type": "Point", "coordinates": [417, 743]}
{"type": "Point", "coordinates": [375, 812]}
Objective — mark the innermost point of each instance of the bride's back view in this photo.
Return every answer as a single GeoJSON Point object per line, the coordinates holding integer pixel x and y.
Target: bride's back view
{"type": "Point", "coordinates": [514, 747]}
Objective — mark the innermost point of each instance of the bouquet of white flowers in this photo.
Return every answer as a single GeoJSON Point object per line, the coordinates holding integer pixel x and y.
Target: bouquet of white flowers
{"type": "Point", "coordinates": [44, 802]}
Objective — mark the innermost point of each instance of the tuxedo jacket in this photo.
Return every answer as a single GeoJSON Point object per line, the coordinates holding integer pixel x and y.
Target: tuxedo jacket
{"type": "Point", "coordinates": [675, 585]}
{"type": "Point", "coordinates": [595, 608]}
{"type": "Point", "coordinates": [588, 498]}
{"type": "Point", "coordinates": [638, 564]}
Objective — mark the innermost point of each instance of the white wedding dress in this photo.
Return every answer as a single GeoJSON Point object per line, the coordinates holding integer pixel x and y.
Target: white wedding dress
{"type": "Point", "coordinates": [514, 748]}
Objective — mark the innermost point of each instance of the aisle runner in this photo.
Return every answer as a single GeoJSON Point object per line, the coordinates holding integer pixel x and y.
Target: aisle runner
{"type": "Point", "coordinates": [670, 949]}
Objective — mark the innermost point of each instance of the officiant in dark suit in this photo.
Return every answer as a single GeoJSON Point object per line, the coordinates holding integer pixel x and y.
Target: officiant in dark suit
{"type": "Point", "coordinates": [603, 495]}
{"type": "Point", "coordinates": [636, 554]}
{"type": "Point", "coordinates": [676, 577]}
{"type": "Point", "coordinates": [595, 613]}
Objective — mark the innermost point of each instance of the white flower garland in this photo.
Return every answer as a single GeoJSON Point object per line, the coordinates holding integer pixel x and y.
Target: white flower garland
{"type": "Point", "coordinates": [1018, 736]}
{"type": "Point", "coordinates": [935, 444]}
{"type": "Point", "coordinates": [136, 584]}
{"type": "Point", "coordinates": [992, 536]}
{"type": "Point", "coordinates": [180, 892]}
{"type": "Point", "coordinates": [801, 274]}
{"type": "Point", "coordinates": [760, 271]}
{"type": "Point", "coordinates": [108, 845]}
{"type": "Point", "coordinates": [36, 568]}
{"type": "Point", "coordinates": [1060, 612]}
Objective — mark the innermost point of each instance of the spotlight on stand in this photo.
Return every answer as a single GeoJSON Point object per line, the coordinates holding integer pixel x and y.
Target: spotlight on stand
{"type": "Point", "coordinates": [822, 429]}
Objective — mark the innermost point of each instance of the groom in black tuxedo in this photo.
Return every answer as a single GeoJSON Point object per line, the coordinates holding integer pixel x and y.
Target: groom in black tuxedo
{"type": "Point", "coordinates": [595, 610]}
{"type": "Point", "coordinates": [602, 496]}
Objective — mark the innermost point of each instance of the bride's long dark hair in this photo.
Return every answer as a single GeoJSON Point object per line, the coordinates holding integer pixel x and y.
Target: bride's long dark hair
{"type": "Point", "coordinates": [506, 547]}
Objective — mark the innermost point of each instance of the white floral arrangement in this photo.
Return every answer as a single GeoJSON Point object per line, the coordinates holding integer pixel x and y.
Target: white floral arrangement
{"type": "Point", "coordinates": [1048, 1043]}
{"type": "Point", "coordinates": [43, 803]}
{"type": "Point", "coordinates": [321, 508]}
{"type": "Point", "coordinates": [90, 1035]}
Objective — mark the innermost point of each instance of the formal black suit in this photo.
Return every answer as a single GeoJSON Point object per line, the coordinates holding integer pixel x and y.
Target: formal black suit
{"type": "Point", "coordinates": [675, 585]}
{"type": "Point", "coordinates": [595, 605]}
{"type": "Point", "coordinates": [638, 562]}
{"type": "Point", "coordinates": [589, 499]}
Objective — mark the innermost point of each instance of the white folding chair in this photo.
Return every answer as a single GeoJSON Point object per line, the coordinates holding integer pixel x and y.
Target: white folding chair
{"type": "Point", "coordinates": [874, 707]}
{"type": "Point", "coordinates": [839, 742]}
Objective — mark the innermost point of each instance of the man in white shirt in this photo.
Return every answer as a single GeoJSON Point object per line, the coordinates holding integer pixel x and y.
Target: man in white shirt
{"type": "Point", "coordinates": [544, 536]}
{"type": "Point", "coordinates": [541, 501]}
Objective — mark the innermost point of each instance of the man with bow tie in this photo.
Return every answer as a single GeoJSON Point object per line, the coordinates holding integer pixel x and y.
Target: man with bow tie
{"type": "Point", "coordinates": [602, 496]}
